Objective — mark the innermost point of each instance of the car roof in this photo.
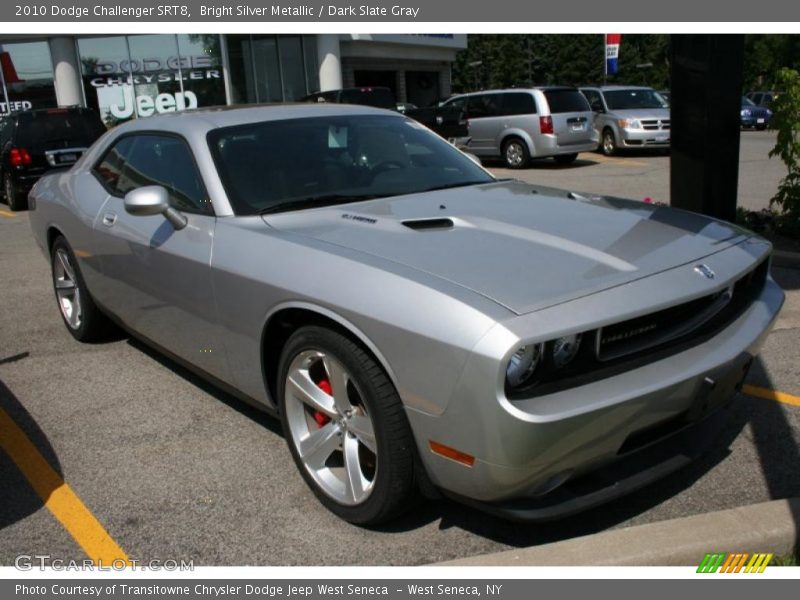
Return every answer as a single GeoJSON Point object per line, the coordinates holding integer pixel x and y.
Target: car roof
{"type": "Point", "coordinates": [614, 88]}
{"type": "Point", "coordinates": [206, 119]}
{"type": "Point", "coordinates": [541, 88]}
{"type": "Point", "coordinates": [57, 110]}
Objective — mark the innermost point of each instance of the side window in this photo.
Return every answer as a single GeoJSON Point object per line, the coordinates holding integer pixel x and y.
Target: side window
{"type": "Point", "coordinates": [457, 104]}
{"type": "Point", "coordinates": [518, 103]}
{"type": "Point", "coordinates": [110, 168]}
{"type": "Point", "coordinates": [484, 105]}
{"type": "Point", "coordinates": [165, 161]}
{"type": "Point", "coordinates": [595, 101]}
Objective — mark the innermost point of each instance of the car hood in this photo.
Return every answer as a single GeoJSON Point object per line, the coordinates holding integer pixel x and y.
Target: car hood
{"type": "Point", "coordinates": [524, 247]}
{"type": "Point", "coordinates": [642, 113]}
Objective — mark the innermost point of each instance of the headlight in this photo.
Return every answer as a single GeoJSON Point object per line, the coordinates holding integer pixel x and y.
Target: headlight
{"type": "Point", "coordinates": [565, 349]}
{"type": "Point", "coordinates": [745, 113]}
{"type": "Point", "coordinates": [630, 123]}
{"type": "Point", "coordinates": [523, 363]}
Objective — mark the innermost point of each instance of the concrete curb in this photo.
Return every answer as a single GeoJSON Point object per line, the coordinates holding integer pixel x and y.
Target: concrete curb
{"type": "Point", "coordinates": [786, 260]}
{"type": "Point", "coordinates": [767, 527]}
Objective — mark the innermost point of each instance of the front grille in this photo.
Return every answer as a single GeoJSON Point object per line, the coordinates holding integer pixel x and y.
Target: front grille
{"type": "Point", "coordinates": [630, 344]}
{"type": "Point", "coordinates": [678, 322]}
{"type": "Point", "coordinates": [655, 124]}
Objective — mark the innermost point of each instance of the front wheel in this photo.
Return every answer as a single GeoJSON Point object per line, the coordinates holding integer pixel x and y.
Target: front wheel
{"type": "Point", "coordinates": [609, 143]}
{"type": "Point", "coordinates": [345, 427]}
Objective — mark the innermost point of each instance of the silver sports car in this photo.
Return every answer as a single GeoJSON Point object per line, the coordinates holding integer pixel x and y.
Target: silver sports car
{"type": "Point", "coordinates": [419, 326]}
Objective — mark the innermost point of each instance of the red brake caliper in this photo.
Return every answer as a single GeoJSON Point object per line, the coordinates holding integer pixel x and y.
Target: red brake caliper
{"type": "Point", "coordinates": [320, 417]}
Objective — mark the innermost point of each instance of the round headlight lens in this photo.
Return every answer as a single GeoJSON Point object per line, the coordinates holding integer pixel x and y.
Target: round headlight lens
{"type": "Point", "coordinates": [565, 349]}
{"type": "Point", "coordinates": [523, 363]}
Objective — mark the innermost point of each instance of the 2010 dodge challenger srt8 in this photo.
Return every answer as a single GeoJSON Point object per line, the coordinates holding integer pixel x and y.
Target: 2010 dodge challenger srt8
{"type": "Point", "coordinates": [417, 324]}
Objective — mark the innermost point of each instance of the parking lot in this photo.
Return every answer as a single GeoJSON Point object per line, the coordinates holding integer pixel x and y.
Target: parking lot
{"type": "Point", "coordinates": [172, 468]}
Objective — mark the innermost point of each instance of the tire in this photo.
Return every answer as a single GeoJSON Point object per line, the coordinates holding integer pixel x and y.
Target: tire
{"type": "Point", "coordinates": [80, 314]}
{"type": "Point", "coordinates": [608, 144]}
{"type": "Point", "coordinates": [566, 159]}
{"type": "Point", "coordinates": [369, 413]}
{"type": "Point", "coordinates": [14, 199]}
{"type": "Point", "coordinates": [515, 153]}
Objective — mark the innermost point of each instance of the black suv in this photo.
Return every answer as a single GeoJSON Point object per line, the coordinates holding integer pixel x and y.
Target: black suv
{"type": "Point", "coordinates": [33, 142]}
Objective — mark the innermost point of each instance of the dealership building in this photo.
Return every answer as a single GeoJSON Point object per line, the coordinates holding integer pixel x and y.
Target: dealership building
{"type": "Point", "coordinates": [130, 76]}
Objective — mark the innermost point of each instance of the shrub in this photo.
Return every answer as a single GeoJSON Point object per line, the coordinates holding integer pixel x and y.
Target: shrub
{"type": "Point", "coordinates": [786, 121]}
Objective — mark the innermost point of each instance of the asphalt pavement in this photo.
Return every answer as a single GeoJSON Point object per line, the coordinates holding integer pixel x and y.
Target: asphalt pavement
{"type": "Point", "coordinates": [175, 469]}
{"type": "Point", "coordinates": [640, 174]}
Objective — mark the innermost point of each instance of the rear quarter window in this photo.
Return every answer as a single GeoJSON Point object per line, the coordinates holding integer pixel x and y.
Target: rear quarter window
{"type": "Point", "coordinates": [565, 101]}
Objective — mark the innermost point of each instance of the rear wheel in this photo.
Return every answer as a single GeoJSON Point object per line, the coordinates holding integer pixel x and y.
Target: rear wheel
{"type": "Point", "coordinates": [515, 154]}
{"type": "Point", "coordinates": [345, 427]}
{"type": "Point", "coordinates": [81, 316]}
{"type": "Point", "coordinates": [608, 144]}
{"type": "Point", "coordinates": [566, 159]}
{"type": "Point", "coordinates": [14, 198]}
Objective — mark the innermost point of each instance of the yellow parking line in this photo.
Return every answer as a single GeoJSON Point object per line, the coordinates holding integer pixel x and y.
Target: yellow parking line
{"type": "Point", "coordinates": [58, 497]}
{"type": "Point", "coordinates": [5, 213]}
{"type": "Point", "coordinates": [767, 394]}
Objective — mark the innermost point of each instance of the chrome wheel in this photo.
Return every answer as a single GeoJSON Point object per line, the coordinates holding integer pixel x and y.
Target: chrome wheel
{"type": "Point", "coordinates": [515, 154]}
{"type": "Point", "coordinates": [330, 426]}
{"type": "Point", "coordinates": [67, 290]}
{"type": "Point", "coordinates": [609, 143]}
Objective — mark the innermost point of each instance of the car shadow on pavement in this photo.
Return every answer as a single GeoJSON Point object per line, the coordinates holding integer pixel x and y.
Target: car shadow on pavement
{"type": "Point", "coordinates": [544, 164]}
{"type": "Point", "coordinates": [18, 499]}
{"type": "Point", "coordinates": [240, 406]}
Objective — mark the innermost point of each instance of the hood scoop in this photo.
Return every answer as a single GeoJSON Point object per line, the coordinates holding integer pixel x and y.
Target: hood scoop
{"type": "Point", "coordinates": [429, 224]}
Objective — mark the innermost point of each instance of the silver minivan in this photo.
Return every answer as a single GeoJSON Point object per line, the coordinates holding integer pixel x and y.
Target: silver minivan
{"type": "Point", "coordinates": [629, 117]}
{"type": "Point", "coordinates": [520, 124]}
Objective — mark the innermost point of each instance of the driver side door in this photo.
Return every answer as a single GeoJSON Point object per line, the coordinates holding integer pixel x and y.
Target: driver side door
{"type": "Point", "coordinates": [157, 279]}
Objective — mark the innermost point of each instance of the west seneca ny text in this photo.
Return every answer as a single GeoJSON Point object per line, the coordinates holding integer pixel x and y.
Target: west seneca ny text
{"type": "Point", "coordinates": [308, 10]}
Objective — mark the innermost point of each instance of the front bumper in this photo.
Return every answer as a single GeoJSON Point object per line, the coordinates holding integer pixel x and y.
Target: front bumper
{"type": "Point", "coordinates": [645, 457]}
{"type": "Point", "coordinates": [640, 138]}
{"type": "Point", "coordinates": [528, 449]}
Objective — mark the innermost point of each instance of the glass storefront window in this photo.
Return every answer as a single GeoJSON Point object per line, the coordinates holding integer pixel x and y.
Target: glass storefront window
{"type": "Point", "coordinates": [272, 68]}
{"type": "Point", "coordinates": [27, 77]}
{"type": "Point", "coordinates": [140, 75]}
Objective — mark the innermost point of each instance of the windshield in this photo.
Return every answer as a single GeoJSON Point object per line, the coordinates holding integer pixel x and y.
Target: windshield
{"type": "Point", "coordinates": [747, 102]}
{"type": "Point", "coordinates": [303, 163]}
{"type": "Point", "coordinates": [634, 98]}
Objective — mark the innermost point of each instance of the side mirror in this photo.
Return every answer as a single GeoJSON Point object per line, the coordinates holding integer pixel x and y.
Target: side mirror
{"type": "Point", "coordinates": [153, 200]}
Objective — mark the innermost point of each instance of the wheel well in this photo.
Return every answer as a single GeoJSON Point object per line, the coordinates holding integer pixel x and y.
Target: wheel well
{"type": "Point", "coordinates": [52, 234]}
{"type": "Point", "coordinates": [512, 136]}
{"type": "Point", "coordinates": [280, 328]}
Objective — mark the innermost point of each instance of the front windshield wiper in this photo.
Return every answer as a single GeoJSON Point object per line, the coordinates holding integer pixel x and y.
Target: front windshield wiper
{"type": "Point", "coordinates": [317, 202]}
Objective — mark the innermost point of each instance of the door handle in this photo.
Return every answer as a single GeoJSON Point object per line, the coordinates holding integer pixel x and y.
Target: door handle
{"type": "Point", "coordinates": [109, 219]}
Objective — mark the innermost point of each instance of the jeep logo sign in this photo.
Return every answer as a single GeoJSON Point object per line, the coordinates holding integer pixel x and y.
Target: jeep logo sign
{"type": "Point", "coordinates": [145, 105]}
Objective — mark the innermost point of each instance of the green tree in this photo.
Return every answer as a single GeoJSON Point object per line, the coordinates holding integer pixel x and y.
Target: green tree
{"type": "Point", "coordinates": [786, 121]}
{"type": "Point", "coordinates": [494, 60]}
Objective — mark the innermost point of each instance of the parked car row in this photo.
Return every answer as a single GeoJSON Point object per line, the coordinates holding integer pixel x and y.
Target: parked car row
{"type": "Point", "coordinates": [515, 125]}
